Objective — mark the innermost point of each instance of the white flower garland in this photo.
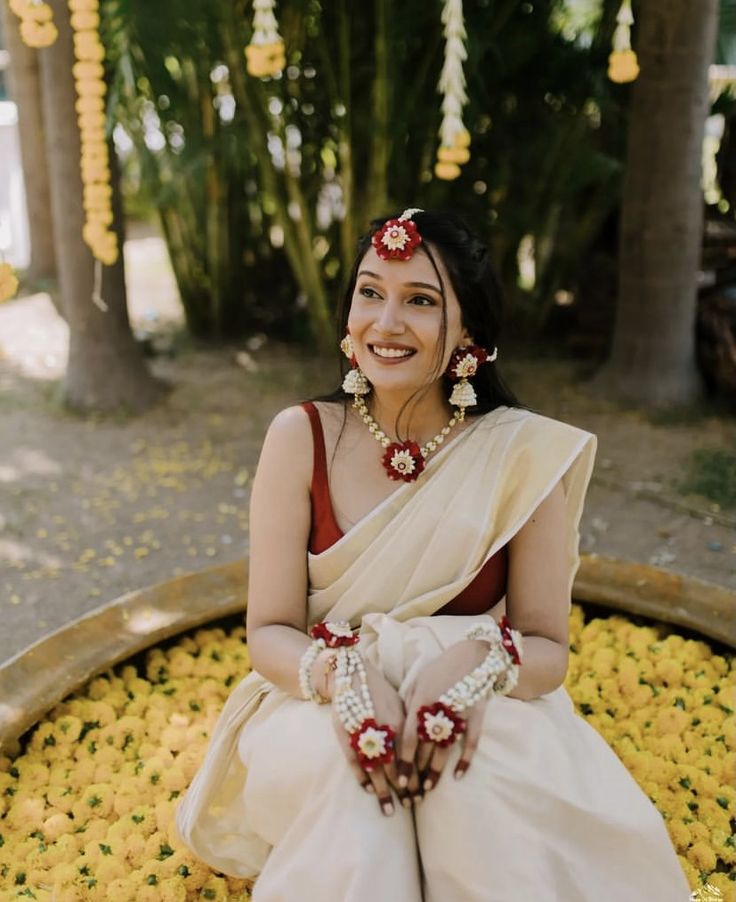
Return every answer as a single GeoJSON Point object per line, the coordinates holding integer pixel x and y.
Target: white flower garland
{"type": "Point", "coordinates": [623, 64]}
{"type": "Point", "coordinates": [454, 137]}
{"type": "Point", "coordinates": [265, 53]}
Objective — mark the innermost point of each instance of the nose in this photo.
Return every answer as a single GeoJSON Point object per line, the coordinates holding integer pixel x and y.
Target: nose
{"type": "Point", "coordinates": [390, 321]}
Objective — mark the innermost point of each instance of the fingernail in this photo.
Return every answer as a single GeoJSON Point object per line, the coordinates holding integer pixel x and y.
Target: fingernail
{"type": "Point", "coordinates": [427, 785]}
{"type": "Point", "coordinates": [369, 788]}
{"type": "Point", "coordinates": [387, 808]}
{"type": "Point", "coordinates": [417, 799]}
{"type": "Point", "coordinates": [403, 781]}
{"type": "Point", "coordinates": [406, 802]}
{"type": "Point", "coordinates": [460, 773]}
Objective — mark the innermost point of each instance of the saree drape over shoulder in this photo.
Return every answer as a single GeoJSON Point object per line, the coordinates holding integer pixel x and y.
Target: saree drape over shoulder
{"type": "Point", "coordinates": [546, 811]}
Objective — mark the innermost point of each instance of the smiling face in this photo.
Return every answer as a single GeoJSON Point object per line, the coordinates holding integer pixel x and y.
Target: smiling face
{"type": "Point", "coordinates": [395, 321]}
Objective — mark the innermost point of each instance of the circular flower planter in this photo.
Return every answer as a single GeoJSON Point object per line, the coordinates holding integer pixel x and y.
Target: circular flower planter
{"type": "Point", "coordinates": [99, 737]}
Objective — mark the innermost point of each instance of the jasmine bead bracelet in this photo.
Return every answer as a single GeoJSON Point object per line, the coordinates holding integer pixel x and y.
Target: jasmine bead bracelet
{"type": "Point", "coordinates": [497, 674]}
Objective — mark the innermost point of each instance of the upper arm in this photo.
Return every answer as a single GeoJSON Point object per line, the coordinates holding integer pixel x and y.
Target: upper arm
{"type": "Point", "coordinates": [280, 519]}
{"type": "Point", "coordinates": [537, 596]}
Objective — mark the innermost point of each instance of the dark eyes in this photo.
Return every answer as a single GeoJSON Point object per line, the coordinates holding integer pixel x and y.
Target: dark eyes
{"type": "Point", "coordinates": [419, 300]}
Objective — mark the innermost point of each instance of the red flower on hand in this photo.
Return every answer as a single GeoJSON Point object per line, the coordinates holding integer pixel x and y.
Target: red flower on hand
{"type": "Point", "coordinates": [464, 362]}
{"type": "Point", "coordinates": [438, 723]}
{"type": "Point", "coordinates": [403, 460]}
{"type": "Point", "coordinates": [508, 640]}
{"type": "Point", "coordinates": [334, 634]}
{"type": "Point", "coordinates": [396, 239]}
{"type": "Point", "coordinates": [373, 744]}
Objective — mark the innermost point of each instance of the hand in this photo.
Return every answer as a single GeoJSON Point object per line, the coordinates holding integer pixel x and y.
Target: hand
{"type": "Point", "coordinates": [427, 759]}
{"type": "Point", "coordinates": [389, 710]}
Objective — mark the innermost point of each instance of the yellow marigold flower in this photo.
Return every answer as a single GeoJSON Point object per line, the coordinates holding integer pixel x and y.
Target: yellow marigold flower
{"type": "Point", "coordinates": [457, 155]}
{"type": "Point", "coordinates": [670, 671]}
{"type": "Point", "coordinates": [679, 834]}
{"type": "Point", "coordinates": [8, 282]}
{"type": "Point", "coordinates": [447, 171]}
{"type": "Point", "coordinates": [702, 856]}
{"type": "Point", "coordinates": [26, 814]}
{"type": "Point", "coordinates": [671, 720]}
{"type": "Point", "coordinates": [95, 801]}
{"type": "Point", "coordinates": [38, 34]}
{"type": "Point", "coordinates": [623, 66]}
{"type": "Point", "coordinates": [33, 776]}
{"type": "Point", "coordinates": [84, 21]}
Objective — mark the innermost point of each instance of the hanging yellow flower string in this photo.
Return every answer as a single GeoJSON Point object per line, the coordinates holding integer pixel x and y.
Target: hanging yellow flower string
{"type": "Point", "coordinates": [90, 106]}
{"type": "Point", "coordinates": [454, 137]}
{"type": "Point", "coordinates": [264, 54]}
{"type": "Point", "coordinates": [623, 65]}
{"type": "Point", "coordinates": [37, 27]}
{"type": "Point", "coordinates": [8, 282]}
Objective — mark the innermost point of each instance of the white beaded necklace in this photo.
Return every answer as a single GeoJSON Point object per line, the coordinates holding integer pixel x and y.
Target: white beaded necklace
{"type": "Point", "coordinates": [405, 460]}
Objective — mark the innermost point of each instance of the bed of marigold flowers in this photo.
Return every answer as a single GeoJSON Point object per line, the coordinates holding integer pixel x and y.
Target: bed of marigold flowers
{"type": "Point", "coordinates": [86, 808]}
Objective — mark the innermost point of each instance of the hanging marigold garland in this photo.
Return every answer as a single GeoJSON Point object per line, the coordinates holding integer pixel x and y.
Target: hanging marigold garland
{"type": "Point", "coordinates": [90, 106]}
{"type": "Point", "coordinates": [8, 282]}
{"type": "Point", "coordinates": [37, 27]}
{"type": "Point", "coordinates": [265, 54]}
{"type": "Point", "coordinates": [623, 65]}
{"type": "Point", "coordinates": [454, 137]}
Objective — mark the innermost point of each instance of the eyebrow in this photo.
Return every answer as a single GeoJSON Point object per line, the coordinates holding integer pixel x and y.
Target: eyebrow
{"type": "Point", "coordinates": [375, 275]}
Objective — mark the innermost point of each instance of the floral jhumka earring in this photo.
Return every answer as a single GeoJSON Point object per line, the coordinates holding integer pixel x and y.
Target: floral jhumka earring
{"type": "Point", "coordinates": [396, 240]}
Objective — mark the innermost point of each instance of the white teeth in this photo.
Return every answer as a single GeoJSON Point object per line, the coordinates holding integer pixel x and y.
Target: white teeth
{"type": "Point", "coordinates": [391, 352]}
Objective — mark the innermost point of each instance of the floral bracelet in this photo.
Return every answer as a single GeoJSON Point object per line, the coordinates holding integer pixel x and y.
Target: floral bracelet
{"type": "Point", "coordinates": [497, 674]}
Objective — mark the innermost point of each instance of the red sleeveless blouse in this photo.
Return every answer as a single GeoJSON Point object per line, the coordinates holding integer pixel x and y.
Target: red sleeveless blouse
{"type": "Point", "coordinates": [488, 587]}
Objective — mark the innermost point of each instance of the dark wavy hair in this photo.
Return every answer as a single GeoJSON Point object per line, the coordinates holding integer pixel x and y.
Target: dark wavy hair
{"type": "Point", "coordinates": [476, 286]}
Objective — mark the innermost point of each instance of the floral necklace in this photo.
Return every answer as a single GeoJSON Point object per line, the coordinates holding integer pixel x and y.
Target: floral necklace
{"type": "Point", "coordinates": [405, 460]}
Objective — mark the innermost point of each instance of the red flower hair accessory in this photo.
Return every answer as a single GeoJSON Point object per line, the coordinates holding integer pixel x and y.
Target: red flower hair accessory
{"type": "Point", "coordinates": [464, 362]}
{"type": "Point", "coordinates": [397, 238]}
{"type": "Point", "coordinates": [373, 744]}
{"type": "Point", "coordinates": [438, 723]}
{"type": "Point", "coordinates": [403, 460]}
{"type": "Point", "coordinates": [507, 640]}
{"type": "Point", "coordinates": [334, 634]}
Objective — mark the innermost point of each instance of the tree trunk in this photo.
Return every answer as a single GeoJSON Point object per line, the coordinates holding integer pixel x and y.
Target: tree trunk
{"type": "Point", "coordinates": [652, 360]}
{"type": "Point", "coordinates": [25, 89]}
{"type": "Point", "coordinates": [105, 371]}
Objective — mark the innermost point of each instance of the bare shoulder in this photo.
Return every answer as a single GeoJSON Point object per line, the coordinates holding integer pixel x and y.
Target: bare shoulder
{"type": "Point", "coordinates": [287, 447]}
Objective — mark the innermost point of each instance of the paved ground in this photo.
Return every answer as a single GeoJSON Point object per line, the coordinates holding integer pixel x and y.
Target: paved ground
{"type": "Point", "coordinates": [92, 509]}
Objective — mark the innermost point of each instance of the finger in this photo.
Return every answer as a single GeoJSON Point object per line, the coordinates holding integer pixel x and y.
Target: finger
{"type": "Point", "coordinates": [383, 792]}
{"type": "Point", "coordinates": [437, 765]}
{"type": "Point", "coordinates": [424, 755]}
{"type": "Point", "coordinates": [407, 751]}
{"type": "Point", "coordinates": [471, 739]}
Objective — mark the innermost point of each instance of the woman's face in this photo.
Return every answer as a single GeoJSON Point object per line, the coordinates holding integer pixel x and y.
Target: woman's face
{"type": "Point", "coordinates": [395, 320]}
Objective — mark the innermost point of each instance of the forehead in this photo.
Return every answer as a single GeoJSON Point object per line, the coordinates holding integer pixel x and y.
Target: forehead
{"type": "Point", "coordinates": [418, 268]}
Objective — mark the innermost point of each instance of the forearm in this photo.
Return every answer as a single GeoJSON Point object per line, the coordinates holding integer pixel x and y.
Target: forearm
{"type": "Point", "coordinates": [543, 668]}
{"type": "Point", "coordinates": [275, 652]}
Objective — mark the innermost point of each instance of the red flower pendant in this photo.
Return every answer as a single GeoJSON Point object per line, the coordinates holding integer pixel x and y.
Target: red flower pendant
{"type": "Point", "coordinates": [438, 723]}
{"type": "Point", "coordinates": [403, 460]}
{"type": "Point", "coordinates": [373, 744]}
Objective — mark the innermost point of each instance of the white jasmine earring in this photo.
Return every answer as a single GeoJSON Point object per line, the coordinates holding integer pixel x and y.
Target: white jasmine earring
{"type": "Point", "coordinates": [355, 382]}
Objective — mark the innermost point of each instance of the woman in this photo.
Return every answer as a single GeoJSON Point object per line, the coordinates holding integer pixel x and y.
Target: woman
{"type": "Point", "coordinates": [427, 549]}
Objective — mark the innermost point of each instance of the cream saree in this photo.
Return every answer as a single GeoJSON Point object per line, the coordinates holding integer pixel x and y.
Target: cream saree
{"type": "Point", "coordinates": [546, 810]}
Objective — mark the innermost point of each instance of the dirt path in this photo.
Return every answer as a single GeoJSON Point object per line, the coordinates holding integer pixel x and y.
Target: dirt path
{"type": "Point", "coordinates": [92, 509]}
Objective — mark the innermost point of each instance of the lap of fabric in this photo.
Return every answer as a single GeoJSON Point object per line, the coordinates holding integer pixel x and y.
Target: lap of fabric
{"type": "Point", "coordinates": [546, 811]}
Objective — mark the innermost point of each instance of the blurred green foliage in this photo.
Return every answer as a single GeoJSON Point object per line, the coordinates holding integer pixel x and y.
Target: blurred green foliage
{"type": "Point", "coordinates": [263, 185]}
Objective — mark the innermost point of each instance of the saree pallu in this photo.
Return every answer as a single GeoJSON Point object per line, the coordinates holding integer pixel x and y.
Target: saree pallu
{"type": "Point", "coordinates": [546, 811]}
